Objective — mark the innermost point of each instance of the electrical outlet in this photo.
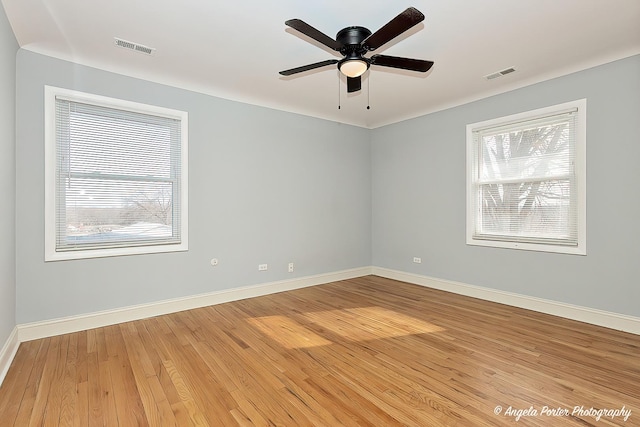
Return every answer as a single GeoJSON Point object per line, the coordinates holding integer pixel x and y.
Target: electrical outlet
{"type": "Point", "coordinates": [262, 267]}
{"type": "Point", "coordinates": [290, 267]}
{"type": "Point", "coordinates": [417, 260]}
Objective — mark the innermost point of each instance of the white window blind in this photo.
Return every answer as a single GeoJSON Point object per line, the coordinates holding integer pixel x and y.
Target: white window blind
{"type": "Point", "coordinates": [524, 185]}
{"type": "Point", "coordinates": [118, 178]}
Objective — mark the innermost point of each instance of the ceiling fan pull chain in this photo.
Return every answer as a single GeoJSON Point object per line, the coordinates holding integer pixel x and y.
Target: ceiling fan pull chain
{"type": "Point", "coordinates": [368, 91]}
{"type": "Point", "coordinates": [338, 90]}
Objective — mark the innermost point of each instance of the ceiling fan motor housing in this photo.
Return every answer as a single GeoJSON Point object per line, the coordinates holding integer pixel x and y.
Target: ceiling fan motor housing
{"type": "Point", "coordinates": [352, 35]}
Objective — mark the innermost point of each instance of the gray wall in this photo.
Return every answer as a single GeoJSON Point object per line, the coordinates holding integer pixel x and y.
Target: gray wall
{"type": "Point", "coordinates": [274, 187]}
{"type": "Point", "coordinates": [264, 187]}
{"type": "Point", "coordinates": [419, 196]}
{"type": "Point", "coordinates": [8, 49]}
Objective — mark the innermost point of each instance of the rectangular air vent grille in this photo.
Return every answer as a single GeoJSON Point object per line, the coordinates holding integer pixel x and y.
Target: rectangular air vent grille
{"type": "Point", "coordinates": [500, 73]}
{"type": "Point", "coordinates": [134, 46]}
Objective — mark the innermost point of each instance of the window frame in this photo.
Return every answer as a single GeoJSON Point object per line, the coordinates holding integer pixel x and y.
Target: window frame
{"type": "Point", "coordinates": [472, 187]}
{"type": "Point", "coordinates": [51, 252]}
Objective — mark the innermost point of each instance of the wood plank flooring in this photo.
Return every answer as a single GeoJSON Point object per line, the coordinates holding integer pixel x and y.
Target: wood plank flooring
{"type": "Point", "coordinates": [362, 352]}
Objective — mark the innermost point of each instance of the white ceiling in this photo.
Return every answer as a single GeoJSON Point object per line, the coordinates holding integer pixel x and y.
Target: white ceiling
{"type": "Point", "coordinates": [235, 50]}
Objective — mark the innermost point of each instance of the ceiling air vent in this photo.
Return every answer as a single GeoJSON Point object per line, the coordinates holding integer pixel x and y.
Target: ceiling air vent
{"type": "Point", "coordinates": [499, 73]}
{"type": "Point", "coordinates": [134, 46]}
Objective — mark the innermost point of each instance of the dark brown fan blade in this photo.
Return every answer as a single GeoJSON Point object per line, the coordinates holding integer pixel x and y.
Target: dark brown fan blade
{"type": "Point", "coordinates": [404, 63]}
{"type": "Point", "coordinates": [393, 28]}
{"type": "Point", "coordinates": [315, 34]}
{"type": "Point", "coordinates": [354, 84]}
{"type": "Point", "coordinates": [308, 67]}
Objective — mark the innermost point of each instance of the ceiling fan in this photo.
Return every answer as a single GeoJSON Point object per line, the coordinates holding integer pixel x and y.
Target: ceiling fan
{"type": "Point", "coordinates": [354, 42]}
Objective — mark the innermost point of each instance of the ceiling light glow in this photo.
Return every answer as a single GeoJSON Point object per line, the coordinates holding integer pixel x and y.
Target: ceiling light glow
{"type": "Point", "coordinates": [354, 67]}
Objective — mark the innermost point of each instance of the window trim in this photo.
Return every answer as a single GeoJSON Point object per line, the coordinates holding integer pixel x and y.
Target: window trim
{"type": "Point", "coordinates": [579, 171]}
{"type": "Point", "coordinates": [50, 94]}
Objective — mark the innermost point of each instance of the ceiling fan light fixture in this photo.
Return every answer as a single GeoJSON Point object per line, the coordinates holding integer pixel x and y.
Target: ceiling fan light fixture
{"type": "Point", "coordinates": [353, 67]}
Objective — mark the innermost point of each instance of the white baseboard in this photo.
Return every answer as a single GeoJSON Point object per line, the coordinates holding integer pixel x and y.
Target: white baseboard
{"type": "Point", "coordinates": [65, 325]}
{"type": "Point", "coordinates": [48, 328]}
{"type": "Point", "coordinates": [8, 352]}
{"type": "Point", "coordinates": [593, 316]}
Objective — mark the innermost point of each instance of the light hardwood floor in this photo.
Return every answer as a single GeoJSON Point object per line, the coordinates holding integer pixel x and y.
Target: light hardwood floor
{"type": "Point", "coordinates": [367, 351]}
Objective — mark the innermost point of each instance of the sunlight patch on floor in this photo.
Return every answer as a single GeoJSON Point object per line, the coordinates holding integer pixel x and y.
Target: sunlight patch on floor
{"type": "Point", "coordinates": [366, 323]}
{"type": "Point", "coordinates": [287, 332]}
{"type": "Point", "coordinates": [356, 324]}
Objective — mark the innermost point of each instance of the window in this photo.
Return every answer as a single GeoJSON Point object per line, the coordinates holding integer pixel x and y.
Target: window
{"type": "Point", "coordinates": [115, 177]}
{"type": "Point", "coordinates": [526, 180]}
